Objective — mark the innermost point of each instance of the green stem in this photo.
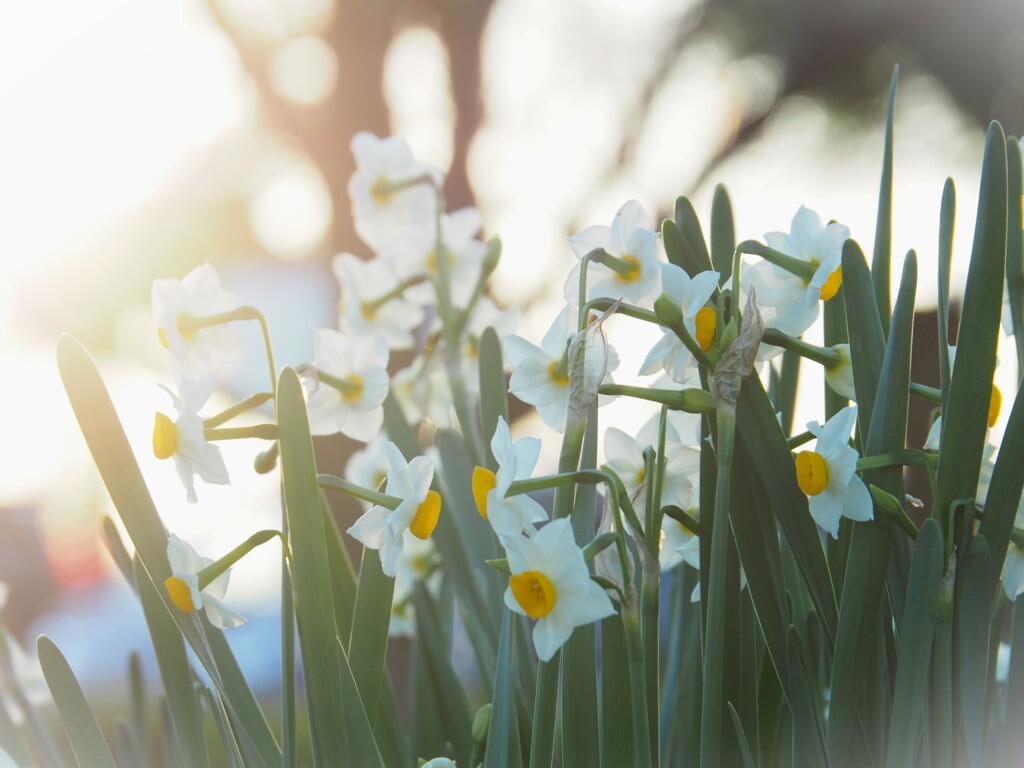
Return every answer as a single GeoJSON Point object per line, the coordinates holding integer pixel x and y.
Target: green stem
{"type": "Point", "coordinates": [907, 456]}
{"type": "Point", "coordinates": [603, 304]}
{"type": "Point", "coordinates": [691, 400]}
{"type": "Point", "coordinates": [373, 305]}
{"type": "Point", "coordinates": [827, 356]}
{"type": "Point", "coordinates": [544, 482]}
{"type": "Point", "coordinates": [714, 641]}
{"type": "Point", "coordinates": [216, 568]}
{"type": "Point", "coordinates": [357, 491]}
{"type": "Point", "coordinates": [803, 269]}
{"type": "Point", "coordinates": [802, 439]}
{"type": "Point", "coordinates": [253, 401]}
{"type": "Point", "coordinates": [893, 511]}
{"type": "Point", "coordinates": [187, 325]}
{"type": "Point", "coordinates": [685, 519]}
{"type": "Point", "coordinates": [635, 653]}
{"type": "Point", "coordinates": [347, 387]}
{"type": "Point", "coordinates": [258, 431]}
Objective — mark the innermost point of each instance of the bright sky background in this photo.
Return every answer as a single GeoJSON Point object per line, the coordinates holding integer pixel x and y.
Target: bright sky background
{"type": "Point", "coordinates": [107, 100]}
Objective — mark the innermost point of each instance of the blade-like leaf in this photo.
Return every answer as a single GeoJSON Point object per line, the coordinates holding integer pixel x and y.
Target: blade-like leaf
{"type": "Point", "coordinates": [503, 747]}
{"type": "Point", "coordinates": [175, 671]}
{"type": "Point", "coordinates": [882, 259]}
{"type": "Point", "coordinates": [79, 721]}
{"type": "Point", "coordinates": [723, 233]}
{"type": "Point", "coordinates": [748, 759]}
{"type": "Point", "coordinates": [966, 418]}
{"type": "Point", "coordinates": [1015, 246]}
{"type": "Point", "coordinates": [918, 623]}
{"type": "Point", "coordinates": [867, 339]}
{"type": "Point", "coordinates": [121, 475]}
{"type": "Point", "coordinates": [371, 619]}
{"type": "Point", "coordinates": [860, 618]}
{"type": "Point", "coordinates": [689, 226]}
{"type": "Point", "coordinates": [452, 706]}
{"type": "Point", "coordinates": [493, 395]}
{"type": "Point", "coordinates": [973, 599]}
{"type": "Point", "coordinates": [1004, 490]}
{"type": "Point", "coordinates": [947, 221]}
{"type": "Point", "coordinates": [334, 720]}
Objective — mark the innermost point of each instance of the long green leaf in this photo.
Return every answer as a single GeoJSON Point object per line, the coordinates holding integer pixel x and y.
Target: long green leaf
{"type": "Point", "coordinates": [493, 395]}
{"type": "Point", "coordinates": [759, 434]}
{"type": "Point", "coordinates": [121, 475]}
{"type": "Point", "coordinates": [1004, 490]}
{"type": "Point", "coordinates": [723, 233]}
{"type": "Point", "coordinates": [748, 758]}
{"type": "Point", "coordinates": [1013, 734]}
{"type": "Point", "coordinates": [368, 643]}
{"type": "Point", "coordinates": [224, 730]}
{"type": "Point", "coordinates": [966, 418]}
{"type": "Point", "coordinates": [579, 714]}
{"type": "Point", "coordinates": [867, 339]}
{"type": "Point", "coordinates": [808, 742]}
{"type": "Point", "coordinates": [335, 726]}
{"type": "Point", "coordinates": [452, 706]}
{"type": "Point", "coordinates": [79, 721]}
{"type": "Point", "coordinates": [1015, 246]}
{"type": "Point", "coordinates": [916, 643]}
{"type": "Point", "coordinates": [882, 259]}
{"type": "Point", "coordinates": [973, 601]}
{"type": "Point", "coordinates": [503, 746]}
{"type": "Point", "coordinates": [10, 740]}
{"type": "Point", "coordinates": [677, 249]}
{"type": "Point", "coordinates": [947, 221]}
{"type": "Point", "coordinates": [860, 615]}
{"type": "Point", "coordinates": [689, 225]}
{"type": "Point", "coordinates": [175, 671]}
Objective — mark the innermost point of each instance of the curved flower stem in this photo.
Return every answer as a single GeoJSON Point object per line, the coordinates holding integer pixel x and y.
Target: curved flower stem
{"type": "Point", "coordinates": [670, 315]}
{"type": "Point", "coordinates": [802, 269]}
{"type": "Point", "coordinates": [253, 401]}
{"type": "Point", "coordinates": [218, 567]}
{"type": "Point", "coordinates": [189, 324]}
{"type": "Point", "coordinates": [258, 431]}
{"type": "Point", "coordinates": [691, 400]}
{"type": "Point", "coordinates": [637, 684]}
{"type": "Point", "coordinates": [357, 491]}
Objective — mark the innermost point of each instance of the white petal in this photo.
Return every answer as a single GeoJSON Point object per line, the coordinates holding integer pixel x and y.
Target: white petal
{"type": "Point", "coordinates": [220, 615]}
{"type": "Point", "coordinates": [549, 636]}
{"type": "Point", "coordinates": [857, 504]}
{"type": "Point", "coordinates": [584, 242]}
{"type": "Point", "coordinates": [826, 512]}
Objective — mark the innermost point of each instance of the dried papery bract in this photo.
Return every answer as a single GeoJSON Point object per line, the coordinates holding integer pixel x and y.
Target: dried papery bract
{"type": "Point", "coordinates": [737, 360]}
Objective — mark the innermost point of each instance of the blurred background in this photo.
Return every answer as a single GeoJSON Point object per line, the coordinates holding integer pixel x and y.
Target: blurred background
{"type": "Point", "coordinates": [142, 138]}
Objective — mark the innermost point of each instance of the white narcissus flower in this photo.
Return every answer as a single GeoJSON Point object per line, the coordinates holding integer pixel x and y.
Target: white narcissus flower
{"type": "Point", "coordinates": [551, 583]}
{"type": "Point", "coordinates": [184, 438]}
{"type": "Point", "coordinates": [192, 353]}
{"type": "Point", "coordinates": [670, 354]}
{"type": "Point", "coordinates": [439, 762]}
{"type": "Point", "coordinates": [517, 514]}
{"type": "Point", "coordinates": [540, 375]}
{"type": "Point", "coordinates": [183, 585]}
{"type": "Point", "coordinates": [679, 544]}
{"type": "Point", "coordinates": [624, 455]}
{"type": "Point", "coordinates": [368, 306]}
{"type": "Point", "coordinates": [394, 199]}
{"type": "Point", "coordinates": [350, 385]}
{"type": "Point", "coordinates": [386, 530]}
{"type": "Point", "coordinates": [787, 301]}
{"type": "Point", "coordinates": [840, 377]}
{"type": "Point", "coordinates": [631, 239]}
{"type": "Point", "coordinates": [423, 391]}
{"type": "Point", "coordinates": [828, 474]}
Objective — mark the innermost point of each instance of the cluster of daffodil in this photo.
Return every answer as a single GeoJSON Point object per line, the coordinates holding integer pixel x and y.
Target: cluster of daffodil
{"type": "Point", "coordinates": [807, 583]}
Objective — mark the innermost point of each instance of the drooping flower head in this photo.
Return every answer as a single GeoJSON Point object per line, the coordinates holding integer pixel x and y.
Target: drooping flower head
{"type": "Point", "coordinates": [551, 583]}
{"type": "Point", "coordinates": [828, 474]}
{"type": "Point", "coordinates": [517, 514]}
{"type": "Point", "coordinates": [789, 302]}
{"type": "Point", "coordinates": [416, 515]}
{"type": "Point", "coordinates": [195, 352]}
{"type": "Point", "coordinates": [184, 439]}
{"type": "Point", "coordinates": [669, 353]}
{"type": "Point", "coordinates": [351, 384]}
{"type": "Point", "coordinates": [183, 585]}
{"type": "Point", "coordinates": [634, 243]}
